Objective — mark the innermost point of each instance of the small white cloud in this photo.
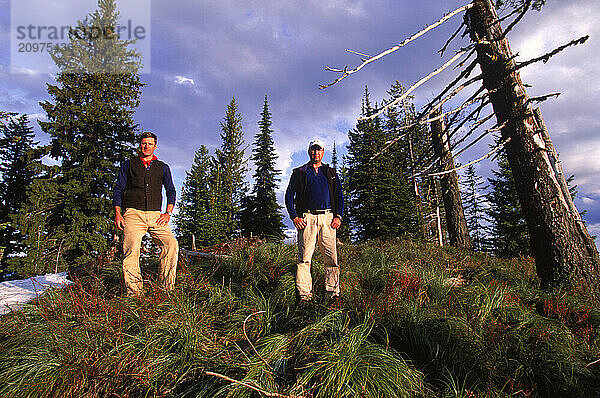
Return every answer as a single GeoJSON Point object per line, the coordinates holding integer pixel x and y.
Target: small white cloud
{"type": "Point", "coordinates": [184, 81]}
{"type": "Point", "coordinates": [587, 201]}
{"type": "Point", "coordinates": [37, 116]}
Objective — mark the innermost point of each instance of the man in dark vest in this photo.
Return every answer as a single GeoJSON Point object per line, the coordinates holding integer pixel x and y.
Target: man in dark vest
{"type": "Point", "coordinates": [315, 204]}
{"type": "Point", "coordinates": [138, 191]}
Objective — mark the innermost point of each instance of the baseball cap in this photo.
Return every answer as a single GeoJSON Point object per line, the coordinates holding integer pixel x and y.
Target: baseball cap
{"type": "Point", "coordinates": [316, 142]}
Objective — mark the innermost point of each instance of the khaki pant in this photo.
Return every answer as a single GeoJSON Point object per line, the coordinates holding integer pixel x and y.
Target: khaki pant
{"type": "Point", "coordinates": [137, 223]}
{"type": "Point", "coordinates": [318, 228]}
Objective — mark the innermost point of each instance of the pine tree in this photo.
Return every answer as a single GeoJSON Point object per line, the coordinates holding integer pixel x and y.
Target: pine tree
{"type": "Point", "coordinates": [334, 157]}
{"type": "Point", "coordinates": [343, 233]}
{"type": "Point", "coordinates": [91, 131]}
{"type": "Point", "coordinates": [216, 222]}
{"type": "Point", "coordinates": [194, 204]}
{"type": "Point", "coordinates": [509, 234]}
{"type": "Point", "coordinates": [473, 187]}
{"type": "Point", "coordinates": [261, 215]}
{"type": "Point", "coordinates": [232, 167]}
{"type": "Point", "coordinates": [20, 163]}
{"type": "Point", "coordinates": [379, 196]}
{"type": "Point", "coordinates": [402, 158]}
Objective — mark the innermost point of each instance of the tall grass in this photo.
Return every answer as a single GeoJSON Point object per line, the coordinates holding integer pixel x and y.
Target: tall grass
{"type": "Point", "coordinates": [233, 329]}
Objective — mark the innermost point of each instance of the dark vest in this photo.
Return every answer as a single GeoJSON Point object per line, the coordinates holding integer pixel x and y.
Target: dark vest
{"type": "Point", "coordinates": [299, 181]}
{"type": "Point", "coordinates": [144, 186]}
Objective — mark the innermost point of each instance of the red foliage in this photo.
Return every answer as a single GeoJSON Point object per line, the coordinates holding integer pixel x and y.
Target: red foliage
{"type": "Point", "coordinates": [577, 320]}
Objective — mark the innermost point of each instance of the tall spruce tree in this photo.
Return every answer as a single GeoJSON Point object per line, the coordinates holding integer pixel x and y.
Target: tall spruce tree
{"type": "Point", "coordinates": [195, 205]}
{"type": "Point", "coordinates": [91, 131]}
{"type": "Point", "coordinates": [232, 167]}
{"type": "Point", "coordinates": [20, 163]}
{"type": "Point", "coordinates": [261, 214]}
{"type": "Point", "coordinates": [402, 160]}
{"type": "Point", "coordinates": [509, 234]}
{"type": "Point", "coordinates": [379, 197]}
{"type": "Point", "coordinates": [343, 233]}
{"type": "Point", "coordinates": [473, 196]}
{"type": "Point", "coordinates": [334, 157]}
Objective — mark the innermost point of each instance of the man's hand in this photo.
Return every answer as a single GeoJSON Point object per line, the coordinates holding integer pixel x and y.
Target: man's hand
{"type": "Point", "coordinates": [299, 223]}
{"type": "Point", "coordinates": [163, 219]}
{"type": "Point", "coordinates": [119, 220]}
{"type": "Point", "coordinates": [336, 223]}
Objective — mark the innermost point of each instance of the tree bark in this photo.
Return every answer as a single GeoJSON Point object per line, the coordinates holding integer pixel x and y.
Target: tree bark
{"type": "Point", "coordinates": [564, 252]}
{"type": "Point", "coordinates": [455, 215]}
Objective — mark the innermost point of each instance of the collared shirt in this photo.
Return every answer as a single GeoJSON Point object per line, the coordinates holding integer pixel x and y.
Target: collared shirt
{"type": "Point", "coordinates": [121, 183]}
{"type": "Point", "coordinates": [147, 162]}
{"type": "Point", "coordinates": [318, 190]}
{"type": "Point", "coordinates": [314, 190]}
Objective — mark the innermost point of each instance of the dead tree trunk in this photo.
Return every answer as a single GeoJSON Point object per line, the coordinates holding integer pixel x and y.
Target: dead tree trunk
{"type": "Point", "coordinates": [564, 252]}
{"type": "Point", "coordinates": [455, 215]}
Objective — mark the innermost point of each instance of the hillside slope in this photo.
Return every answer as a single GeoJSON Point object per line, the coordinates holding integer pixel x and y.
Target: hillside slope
{"type": "Point", "coordinates": [415, 320]}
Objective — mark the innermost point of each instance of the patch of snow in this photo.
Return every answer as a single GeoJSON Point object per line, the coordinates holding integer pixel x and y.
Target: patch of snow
{"type": "Point", "coordinates": [15, 293]}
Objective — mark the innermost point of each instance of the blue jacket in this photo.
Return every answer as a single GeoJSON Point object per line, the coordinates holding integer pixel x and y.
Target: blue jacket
{"type": "Point", "coordinates": [296, 195]}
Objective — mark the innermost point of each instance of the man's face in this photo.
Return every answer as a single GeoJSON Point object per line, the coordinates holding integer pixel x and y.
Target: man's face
{"type": "Point", "coordinates": [147, 147]}
{"type": "Point", "coordinates": [316, 153]}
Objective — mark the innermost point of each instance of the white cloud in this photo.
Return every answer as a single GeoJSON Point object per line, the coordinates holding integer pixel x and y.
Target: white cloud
{"type": "Point", "coordinates": [184, 81]}
{"type": "Point", "coordinates": [588, 201]}
{"type": "Point", "coordinates": [37, 116]}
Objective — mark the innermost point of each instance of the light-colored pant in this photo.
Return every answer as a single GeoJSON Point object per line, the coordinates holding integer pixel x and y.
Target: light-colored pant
{"type": "Point", "coordinates": [137, 223]}
{"type": "Point", "coordinates": [318, 228]}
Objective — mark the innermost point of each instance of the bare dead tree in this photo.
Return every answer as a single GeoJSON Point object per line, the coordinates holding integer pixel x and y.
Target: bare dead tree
{"type": "Point", "coordinates": [455, 215]}
{"type": "Point", "coordinates": [563, 249]}
{"type": "Point", "coordinates": [564, 252]}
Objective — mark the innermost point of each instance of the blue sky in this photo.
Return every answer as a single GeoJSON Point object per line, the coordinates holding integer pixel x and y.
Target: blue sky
{"type": "Point", "coordinates": [205, 52]}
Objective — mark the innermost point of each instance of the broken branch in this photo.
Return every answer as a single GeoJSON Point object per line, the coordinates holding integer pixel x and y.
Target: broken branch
{"type": "Point", "coordinates": [346, 73]}
{"type": "Point", "coordinates": [414, 87]}
{"type": "Point", "coordinates": [500, 146]}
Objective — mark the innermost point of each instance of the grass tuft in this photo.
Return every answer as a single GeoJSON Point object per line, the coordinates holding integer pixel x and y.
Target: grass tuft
{"type": "Point", "coordinates": [415, 320]}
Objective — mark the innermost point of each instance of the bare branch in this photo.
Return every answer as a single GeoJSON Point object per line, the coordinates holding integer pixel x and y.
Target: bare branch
{"type": "Point", "coordinates": [346, 73]}
{"type": "Point", "coordinates": [250, 342]}
{"type": "Point", "coordinates": [544, 58]}
{"type": "Point", "coordinates": [592, 363]}
{"type": "Point", "coordinates": [464, 74]}
{"type": "Point", "coordinates": [476, 140]}
{"type": "Point", "coordinates": [469, 117]}
{"type": "Point", "coordinates": [451, 38]}
{"type": "Point", "coordinates": [496, 149]}
{"type": "Point", "coordinates": [473, 127]}
{"type": "Point", "coordinates": [542, 98]}
{"type": "Point", "coordinates": [414, 87]}
{"type": "Point", "coordinates": [524, 10]}
{"type": "Point", "coordinates": [357, 53]}
{"type": "Point", "coordinates": [252, 386]}
{"type": "Point", "coordinates": [421, 121]}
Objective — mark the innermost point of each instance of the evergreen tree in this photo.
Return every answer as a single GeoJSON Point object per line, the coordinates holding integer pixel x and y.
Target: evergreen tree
{"type": "Point", "coordinates": [334, 158]}
{"type": "Point", "coordinates": [343, 232]}
{"type": "Point", "coordinates": [379, 198]}
{"type": "Point", "coordinates": [232, 167]}
{"type": "Point", "coordinates": [19, 164]}
{"type": "Point", "coordinates": [217, 224]}
{"type": "Point", "coordinates": [401, 157]}
{"type": "Point", "coordinates": [509, 232]}
{"type": "Point", "coordinates": [91, 131]}
{"type": "Point", "coordinates": [474, 210]}
{"type": "Point", "coordinates": [193, 218]}
{"type": "Point", "coordinates": [261, 214]}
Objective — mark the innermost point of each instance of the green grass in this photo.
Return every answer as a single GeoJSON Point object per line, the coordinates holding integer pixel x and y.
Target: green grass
{"type": "Point", "coordinates": [400, 330]}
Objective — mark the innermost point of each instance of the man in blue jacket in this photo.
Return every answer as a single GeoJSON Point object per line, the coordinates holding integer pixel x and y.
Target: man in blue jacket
{"type": "Point", "coordinates": [138, 190]}
{"type": "Point", "coordinates": [315, 204]}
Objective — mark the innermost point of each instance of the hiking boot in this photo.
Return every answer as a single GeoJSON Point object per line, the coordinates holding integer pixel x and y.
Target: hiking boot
{"type": "Point", "coordinates": [333, 299]}
{"type": "Point", "coordinates": [305, 303]}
